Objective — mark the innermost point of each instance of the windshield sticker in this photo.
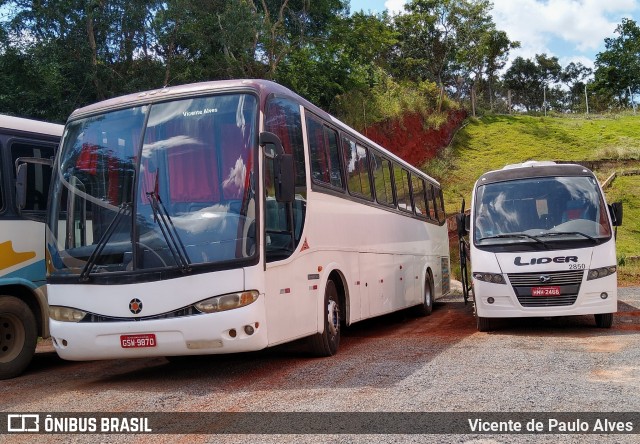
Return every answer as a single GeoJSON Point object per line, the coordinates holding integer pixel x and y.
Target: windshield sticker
{"type": "Point", "coordinates": [199, 112]}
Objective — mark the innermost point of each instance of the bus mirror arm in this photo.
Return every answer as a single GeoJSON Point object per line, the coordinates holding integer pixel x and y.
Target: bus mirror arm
{"type": "Point", "coordinates": [267, 138]}
{"type": "Point", "coordinates": [283, 168]}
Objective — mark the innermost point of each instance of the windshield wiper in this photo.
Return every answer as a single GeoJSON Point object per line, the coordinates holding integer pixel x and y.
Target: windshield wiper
{"type": "Point", "coordinates": [516, 235]}
{"type": "Point", "coordinates": [560, 233]}
{"type": "Point", "coordinates": [169, 232]}
{"type": "Point", "coordinates": [91, 261]}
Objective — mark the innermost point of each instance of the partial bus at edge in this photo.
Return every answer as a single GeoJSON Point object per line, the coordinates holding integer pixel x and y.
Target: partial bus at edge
{"type": "Point", "coordinates": [542, 244]}
{"type": "Point", "coordinates": [231, 216]}
{"type": "Point", "coordinates": [27, 148]}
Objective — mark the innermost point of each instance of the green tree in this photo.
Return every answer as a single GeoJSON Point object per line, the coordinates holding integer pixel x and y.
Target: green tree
{"type": "Point", "coordinates": [617, 68]}
{"type": "Point", "coordinates": [530, 81]}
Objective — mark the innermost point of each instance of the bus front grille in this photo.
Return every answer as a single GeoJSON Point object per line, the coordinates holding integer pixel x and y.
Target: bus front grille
{"type": "Point", "coordinates": [567, 281]}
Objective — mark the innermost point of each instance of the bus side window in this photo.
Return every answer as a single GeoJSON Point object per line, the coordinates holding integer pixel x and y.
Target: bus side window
{"type": "Point", "coordinates": [401, 181]}
{"type": "Point", "coordinates": [417, 188]}
{"type": "Point", "coordinates": [357, 166]}
{"type": "Point", "coordinates": [39, 176]}
{"type": "Point", "coordinates": [382, 180]}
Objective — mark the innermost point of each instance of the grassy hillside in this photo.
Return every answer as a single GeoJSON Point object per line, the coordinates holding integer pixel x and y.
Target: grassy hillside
{"type": "Point", "coordinates": [610, 143]}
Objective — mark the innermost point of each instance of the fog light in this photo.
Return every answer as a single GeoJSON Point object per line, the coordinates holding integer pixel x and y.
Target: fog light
{"type": "Point", "coordinates": [490, 300]}
{"type": "Point", "coordinates": [248, 329]}
{"type": "Point", "coordinates": [233, 333]}
{"type": "Point", "coordinates": [604, 295]}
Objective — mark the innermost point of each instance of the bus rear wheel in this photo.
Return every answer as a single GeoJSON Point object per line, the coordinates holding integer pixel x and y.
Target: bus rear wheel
{"type": "Point", "coordinates": [18, 336]}
{"type": "Point", "coordinates": [328, 342]}
{"type": "Point", "coordinates": [604, 320]}
{"type": "Point", "coordinates": [426, 308]}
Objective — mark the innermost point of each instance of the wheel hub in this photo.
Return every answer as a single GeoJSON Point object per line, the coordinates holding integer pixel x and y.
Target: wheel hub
{"type": "Point", "coordinates": [10, 337]}
{"type": "Point", "coordinates": [333, 316]}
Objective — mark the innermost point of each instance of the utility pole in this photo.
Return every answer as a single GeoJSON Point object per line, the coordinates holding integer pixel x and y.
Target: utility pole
{"type": "Point", "coordinates": [544, 99]}
{"type": "Point", "coordinates": [586, 97]}
{"type": "Point", "coordinates": [633, 103]}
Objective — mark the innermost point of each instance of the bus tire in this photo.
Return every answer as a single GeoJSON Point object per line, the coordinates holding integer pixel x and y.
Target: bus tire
{"type": "Point", "coordinates": [18, 336]}
{"type": "Point", "coordinates": [484, 324]}
{"type": "Point", "coordinates": [604, 320]}
{"type": "Point", "coordinates": [327, 343]}
{"type": "Point", "coordinates": [426, 308]}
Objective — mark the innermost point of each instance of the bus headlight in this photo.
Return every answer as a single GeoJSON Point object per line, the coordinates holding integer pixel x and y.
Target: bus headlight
{"type": "Point", "coordinates": [227, 302]}
{"type": "Point", "coordinates": [598, 273]}
{"type": "Point", "coordinates": [492, 278]}
{"type": "Point", "coordinates": [66, 314]}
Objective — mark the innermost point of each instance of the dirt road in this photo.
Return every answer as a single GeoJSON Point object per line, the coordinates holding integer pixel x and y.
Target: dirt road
{"type": "Point", "coordinates": [397, 363]}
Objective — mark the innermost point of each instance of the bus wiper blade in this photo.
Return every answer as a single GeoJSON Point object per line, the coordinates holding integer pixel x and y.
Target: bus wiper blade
{"type": "Point", "coordinates": [91, 261]}
{"type": "Point", "coordinates": [560, 233]}
{"type": "Point", "coordinates": [169, 232]}
{"type": "Point", "coordinates": [516, 235]}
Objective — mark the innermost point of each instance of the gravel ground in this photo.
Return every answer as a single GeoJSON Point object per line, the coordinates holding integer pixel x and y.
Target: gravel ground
{"type": "Point", "coordinates": [397, 363]}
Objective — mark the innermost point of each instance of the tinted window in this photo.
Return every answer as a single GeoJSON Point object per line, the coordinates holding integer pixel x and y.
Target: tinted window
{"type": "Point", "coordinates": [401, 178]}
{"type": "Point", "coordinates": [431, 199]}
{"type": "Point", "coordinates": [440, 206]}
{"type": "Point", "coordinates": [283, 119]}
{"type": "Point", "coordinates": [381, 168]}
{"type": "Point", "coordinates": [38, 176]}
{"type": "Point", "coordinates": [324, 153]}
{"type": "Point", "coordinates": [418, 196]}
{"type": "Point", "coordinates": [357, 166]}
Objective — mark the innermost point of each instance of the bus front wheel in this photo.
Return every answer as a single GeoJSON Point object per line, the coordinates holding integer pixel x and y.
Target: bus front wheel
{"type": "Point", "coordinates": [327, 342]}
{"type": "Point", "coordinates": [18, 336]}
{"type": "Point", "coordinates": [604, 320]}
{"type": "Point", "coordinates": [484, 324]}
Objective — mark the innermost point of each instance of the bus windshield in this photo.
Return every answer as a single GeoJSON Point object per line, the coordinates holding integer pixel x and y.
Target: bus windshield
{"type": "Point", "coordinates": [155, 186]}
{"type": "Point", "coordinates": [541, 212]}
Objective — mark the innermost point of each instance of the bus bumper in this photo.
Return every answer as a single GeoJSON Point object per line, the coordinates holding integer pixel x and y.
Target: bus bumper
{"type": "Point", "coordinates": [239, 330]}
{"type": "Point", "coordinates": [506, 305]}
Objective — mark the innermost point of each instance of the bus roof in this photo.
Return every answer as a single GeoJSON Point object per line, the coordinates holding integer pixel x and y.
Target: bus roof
{"type": "Point", "coordinates": [18, 124]}
{"type": "Point", "coordinates": [531, 169]}
{"type": "Point", "coordinates": [263, 87]}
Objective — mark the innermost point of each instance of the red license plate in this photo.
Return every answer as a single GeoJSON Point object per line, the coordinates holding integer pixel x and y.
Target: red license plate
{"type": "Point", "coordinates": [545, 291]}
{"type": "Point", "coordinates": [138, 341]}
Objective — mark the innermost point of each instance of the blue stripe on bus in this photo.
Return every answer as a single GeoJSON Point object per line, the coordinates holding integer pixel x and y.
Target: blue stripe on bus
{"type": "Point", "coordinates": [32, 275]}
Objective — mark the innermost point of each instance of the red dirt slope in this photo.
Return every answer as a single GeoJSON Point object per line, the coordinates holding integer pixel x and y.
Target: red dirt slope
{"type": "Point", "coordinates": [409, 140]}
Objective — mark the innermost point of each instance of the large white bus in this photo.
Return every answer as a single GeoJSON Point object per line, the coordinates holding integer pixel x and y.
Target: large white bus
{"type": "Point", "coordinates": [231, 216]}
{"type": "Point", "coordinates": [542, 244]}
{"type": "Point", "coordinates": [27, 146]}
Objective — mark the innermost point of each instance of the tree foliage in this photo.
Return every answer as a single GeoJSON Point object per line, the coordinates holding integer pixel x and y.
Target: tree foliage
{"type": "Point", "coordinates": [617, 72]}
{"type": "Point", "coordinates": [57, 55]}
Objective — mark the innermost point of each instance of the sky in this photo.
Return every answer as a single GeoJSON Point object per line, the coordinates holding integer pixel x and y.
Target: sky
{"type": "Point", "coordinates": [572, 30]}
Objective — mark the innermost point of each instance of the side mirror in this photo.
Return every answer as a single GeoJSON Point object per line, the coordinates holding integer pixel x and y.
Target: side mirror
{"type": "Point", "coordinates": [615, 210]}
{"type": "Point", "coordinates": [284, 178]}
{"type": "Point", "coordinates": [21, 186]}
{"type": "Point", "coordinates": [461, 224]}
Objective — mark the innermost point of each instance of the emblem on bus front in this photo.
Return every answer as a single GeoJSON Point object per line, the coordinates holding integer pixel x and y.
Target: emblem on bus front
{"type": "Point", "coordinates": [545, 278]}
{"type": "Point", "coordinates": [135, 306]}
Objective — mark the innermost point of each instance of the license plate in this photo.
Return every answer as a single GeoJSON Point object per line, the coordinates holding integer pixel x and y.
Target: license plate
{"type": "Point", "coordinates": [545, 291]}
{"type": "Point", "coordinates": [138, 341]}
